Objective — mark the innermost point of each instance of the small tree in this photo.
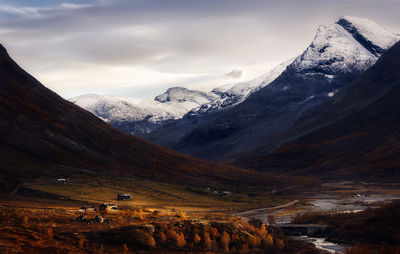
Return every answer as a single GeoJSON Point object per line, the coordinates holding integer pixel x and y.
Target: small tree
{"type": "Point", "coordinates": [225, 238]}
{"type": "Point", "coordinates": [125, 248]}
{"type": "Point", "coordinates": [140, 214]}
{"type": "Point", "coordinates": [25, 221]}
{"type": "Point", "coordinates": [207, 241]}
{"type": "Point", "coordinates": [269, 240]}
{"type": "Point", "coordinates": [180, 240]}
{"type": "Point", "coordinates": [214, 232]}
{"type": "Point", "coordinates": [81, 242]}
{"type": "Point", "coordinates": [50, 234]}
{"type": "Point", "coordinates": [196, 239]}
{"type": "Point", "coordinates": [163, 238]}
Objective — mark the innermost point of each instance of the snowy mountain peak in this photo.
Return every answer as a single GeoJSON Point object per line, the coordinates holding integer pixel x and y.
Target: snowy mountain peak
{"type": "Point", "coordinates": [348, 45]}
{"type": "Point", "coordinates": [369, 34]}
{"type": "Point", "coordinates": [182, 94]}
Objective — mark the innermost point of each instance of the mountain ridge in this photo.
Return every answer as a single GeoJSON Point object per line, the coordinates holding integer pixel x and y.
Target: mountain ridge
{"type": "Point", "coordinates": [353, 134]}
{"type": "Point", "coordinates": [333, 59]}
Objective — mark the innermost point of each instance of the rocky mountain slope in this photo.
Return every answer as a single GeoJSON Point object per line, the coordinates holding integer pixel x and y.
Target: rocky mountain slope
{"type": "Point", "coordinates": [355, 133]}
{"type": "Point", "coordinates": [337, 55]}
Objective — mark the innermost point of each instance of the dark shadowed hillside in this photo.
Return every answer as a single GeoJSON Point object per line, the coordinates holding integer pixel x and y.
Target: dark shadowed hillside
{"type": "Point", "coordinates": [356, 133]}
{"type": "Point", "coordinates": [42, 134]}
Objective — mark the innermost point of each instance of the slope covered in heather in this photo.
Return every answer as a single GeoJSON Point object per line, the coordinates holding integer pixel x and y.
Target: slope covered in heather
{"type": "Point", "coordinates": [42, 134]}
{"type": "Point", "coordinates": [356, 133]}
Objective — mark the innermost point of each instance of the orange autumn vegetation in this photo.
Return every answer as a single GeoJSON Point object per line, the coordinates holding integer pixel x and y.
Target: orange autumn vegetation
{"type": "Point", "coordinates": [52, 230]}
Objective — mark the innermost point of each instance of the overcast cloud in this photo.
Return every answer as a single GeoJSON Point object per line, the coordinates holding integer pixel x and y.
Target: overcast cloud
{"type": "Point", "coordinates": [141, 47]}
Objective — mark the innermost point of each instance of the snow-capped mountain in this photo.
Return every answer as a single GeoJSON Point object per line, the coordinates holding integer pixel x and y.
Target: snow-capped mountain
{"type": "Point", "coordinates": [337, 55]}
{"type": "Point", "coordinates": [139, 116]}
{"type": "Point", "coordinates": [348, 45]}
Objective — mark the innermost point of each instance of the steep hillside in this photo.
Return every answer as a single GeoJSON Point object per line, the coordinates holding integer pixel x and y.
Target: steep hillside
{"type": "Point", "coordinates": [356, 133]}
{"type": "Point", "coordinates": [42, 134]}
{"type": "Point", "coordinates": [337, 55]}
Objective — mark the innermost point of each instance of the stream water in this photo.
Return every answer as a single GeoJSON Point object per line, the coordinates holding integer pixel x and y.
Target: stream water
{"type": "Point", "coordinates": [324, 203]}
{"type": "Point", "coordinates": [322, 244]}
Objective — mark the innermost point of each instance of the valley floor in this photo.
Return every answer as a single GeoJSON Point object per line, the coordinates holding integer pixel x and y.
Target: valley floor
{"type": "Point", "coordinates": [40, 216]}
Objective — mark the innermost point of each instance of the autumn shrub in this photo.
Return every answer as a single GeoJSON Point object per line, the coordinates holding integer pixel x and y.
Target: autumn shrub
{"type": "Point", "coordinates": [252, 241]}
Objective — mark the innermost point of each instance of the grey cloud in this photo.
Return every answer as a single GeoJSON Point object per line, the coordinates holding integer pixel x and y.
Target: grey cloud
{"type": "Point", "coordinates": [178, 36]}
{"type": "Point", "coordinates": [235, 74]}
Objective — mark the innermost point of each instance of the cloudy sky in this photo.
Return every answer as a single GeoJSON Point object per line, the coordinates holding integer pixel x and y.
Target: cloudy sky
{"type": "Point", "coordinates": [141, 47]}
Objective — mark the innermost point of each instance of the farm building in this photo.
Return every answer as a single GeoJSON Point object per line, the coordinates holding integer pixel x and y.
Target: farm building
{"type": "Point", "coordinates": [84, 209]}
{"type": "Point", "coordinates": [124, 196]}
{"type": "Point", "coordinates": [109, 207]}
{"type": "Point", "coordinates": [61, 180]}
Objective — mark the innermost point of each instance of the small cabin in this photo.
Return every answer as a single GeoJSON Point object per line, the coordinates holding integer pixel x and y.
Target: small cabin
{"type": "Point", "coordinates": [61, 180]}
{"type": "Point", "coordinates": [124, 196]}
{"type": "Point", "coordinates": [109, 207]}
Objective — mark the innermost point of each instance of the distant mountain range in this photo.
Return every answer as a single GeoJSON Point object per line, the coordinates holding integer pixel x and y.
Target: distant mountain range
{"type": "Point", "coordinates": [349, 46]}
{"type": "Point", "coordinates": [331, 112]}
{"type": "Point", "coordinates": [338, 54]}
{"type": "Point", "coordinates": [142, 116]}
{"type": "Point", "coordinates": [42, 135]}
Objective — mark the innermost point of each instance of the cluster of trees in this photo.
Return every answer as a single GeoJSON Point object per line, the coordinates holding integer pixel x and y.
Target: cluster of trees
{"type": "Point", "coordinates": [136, 230]}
